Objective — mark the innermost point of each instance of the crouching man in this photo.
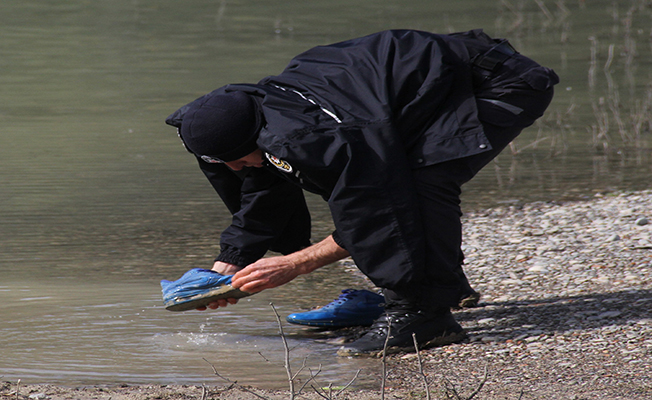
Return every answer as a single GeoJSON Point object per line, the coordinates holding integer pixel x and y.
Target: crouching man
{"type": "Point", "coordinates": [386, 128]}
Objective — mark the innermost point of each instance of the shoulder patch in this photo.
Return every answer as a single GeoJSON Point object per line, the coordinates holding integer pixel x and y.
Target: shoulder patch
{"type": "Point", "coordinates": [278, 163]}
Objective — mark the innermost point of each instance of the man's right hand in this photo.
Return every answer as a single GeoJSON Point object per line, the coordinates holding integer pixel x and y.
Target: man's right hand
{"type": "Point", "coordinates": [276, 271]}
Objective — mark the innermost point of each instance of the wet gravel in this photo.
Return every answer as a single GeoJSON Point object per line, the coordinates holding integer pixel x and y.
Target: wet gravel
{"type": "Point", "coordinates": [566, 309]}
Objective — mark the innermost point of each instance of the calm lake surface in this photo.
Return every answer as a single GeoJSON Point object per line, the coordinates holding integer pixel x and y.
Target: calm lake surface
{"type": "Point", "coordinates": [98, 200]}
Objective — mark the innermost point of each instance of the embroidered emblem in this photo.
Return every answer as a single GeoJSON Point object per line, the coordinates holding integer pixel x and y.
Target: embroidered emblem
{"type": "Point", "coordinates": [211, 160]}
{"type": "Point", "coordinates": [278, 163]}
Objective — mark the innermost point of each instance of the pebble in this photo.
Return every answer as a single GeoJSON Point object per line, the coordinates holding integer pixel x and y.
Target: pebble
{"type": "Point", "coordinates": [489, 339]}
{"type": "Point", "coordinates": [642, 221]}
{"type": "Point", "coordinates": [613, 238]}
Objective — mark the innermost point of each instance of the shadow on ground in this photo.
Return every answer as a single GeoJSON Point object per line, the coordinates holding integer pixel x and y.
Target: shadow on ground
{"type": "Point", "coordinates": [517, 319]}
{"type": "Point", "coordinates": [512, 319]}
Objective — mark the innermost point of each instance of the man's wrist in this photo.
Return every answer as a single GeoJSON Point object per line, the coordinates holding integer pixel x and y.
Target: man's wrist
{"type": "Point", "coordinates": [316, 256]}
{"type": "Point", "coordinates": [225, 268]}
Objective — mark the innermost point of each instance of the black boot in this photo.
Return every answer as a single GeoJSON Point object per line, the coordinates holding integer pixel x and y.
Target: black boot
{"type": "Point", "coordinates": [469, 298]}
{"type": "Point", "coordinates": [431, 329]}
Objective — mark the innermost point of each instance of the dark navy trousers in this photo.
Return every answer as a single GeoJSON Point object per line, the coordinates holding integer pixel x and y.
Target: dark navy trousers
{"type": "Point", "coordinates": [507, 104]}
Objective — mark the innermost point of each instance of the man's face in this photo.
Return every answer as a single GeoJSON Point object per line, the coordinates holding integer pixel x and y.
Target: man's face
{"type": "Point", "coordinates": [254, 159]}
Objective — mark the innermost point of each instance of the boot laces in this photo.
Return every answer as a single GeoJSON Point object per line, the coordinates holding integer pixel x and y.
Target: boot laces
{"type": "Point", "coordinates": [347, 294]}
{"type": "Point", "coordinates": [394, 319]}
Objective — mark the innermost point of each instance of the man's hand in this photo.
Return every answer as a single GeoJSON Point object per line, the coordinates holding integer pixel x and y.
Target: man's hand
{"type": "Point", "coordinates": [224, 269]}
{"type": "Point", "coordinates": [217, 304]}
{"type": "Point", "coordinates": [266, 273]}
{"type": "Point", "coordinates": [272, 272]}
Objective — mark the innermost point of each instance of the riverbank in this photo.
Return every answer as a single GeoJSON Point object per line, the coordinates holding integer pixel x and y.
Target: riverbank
{"type": "Point", "coordinates": [566, 313]}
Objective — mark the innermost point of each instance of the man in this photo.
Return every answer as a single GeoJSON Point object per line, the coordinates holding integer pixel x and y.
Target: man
{"type": "Point", "coordinates": [386, 128]}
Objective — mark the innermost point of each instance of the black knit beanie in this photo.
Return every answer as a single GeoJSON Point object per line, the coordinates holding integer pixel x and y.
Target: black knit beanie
{"type": "Point", "coordinates": [224, 126]}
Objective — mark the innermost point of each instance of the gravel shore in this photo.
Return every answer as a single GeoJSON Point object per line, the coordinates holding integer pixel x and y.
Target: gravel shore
{"type": "Point", "coordinates": [567, 302]}
{"type": "Point", "coordinates": [566, 313]}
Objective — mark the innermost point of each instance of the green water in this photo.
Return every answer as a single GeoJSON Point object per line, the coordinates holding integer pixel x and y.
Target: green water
{"type": "Point", "coordinates": [98, 201]}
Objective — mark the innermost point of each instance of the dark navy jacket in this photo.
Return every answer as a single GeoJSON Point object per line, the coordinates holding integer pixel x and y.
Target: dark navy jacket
{"type": "Point", "coordinates": [349, 121]}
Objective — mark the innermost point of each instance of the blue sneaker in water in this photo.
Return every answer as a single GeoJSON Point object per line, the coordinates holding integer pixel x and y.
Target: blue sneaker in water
{"type": "Point", "coordinates": [352, 308]}
{"type": "Point", "coordinates": [197, 288]}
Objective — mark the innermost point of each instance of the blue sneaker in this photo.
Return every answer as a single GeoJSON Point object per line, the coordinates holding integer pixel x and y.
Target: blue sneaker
{"type": "Point", "coordinates": [197, 288]}
{"type": "Point", "coordinates": [352, 308]}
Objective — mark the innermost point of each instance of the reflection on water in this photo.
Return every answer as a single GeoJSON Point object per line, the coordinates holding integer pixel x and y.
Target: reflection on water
{"type": "Point", "coordinates": [98, 201]}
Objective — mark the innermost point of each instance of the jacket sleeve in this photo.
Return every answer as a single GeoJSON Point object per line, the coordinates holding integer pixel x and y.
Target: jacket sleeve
{"type": "Point", "coordinates": [268, 214]}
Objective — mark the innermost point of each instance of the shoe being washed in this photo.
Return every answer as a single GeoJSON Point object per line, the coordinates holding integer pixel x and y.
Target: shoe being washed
{"type": "Point", "coordinates": [431, 330]}
{"type": "Point", "coordinates": [352, 308]}
{"type": "Point", "coordinates": [197, 288]}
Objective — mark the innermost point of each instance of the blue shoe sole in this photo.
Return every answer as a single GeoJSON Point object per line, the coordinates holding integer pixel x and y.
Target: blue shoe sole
{"type": "Point", "coordinates": [203, 299]}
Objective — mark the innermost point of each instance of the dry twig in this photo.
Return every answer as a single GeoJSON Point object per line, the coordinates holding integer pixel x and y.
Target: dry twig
{"type": "Point", "coordinates": [288, 368]}
{"type": "Point", "coordinates": [423, 375]}
{"type": "Point", "coordinates": [477, 390]}
{"type": "Point", "coordinates": [450, 388]}
{"type": "Point", "coordinates": [234, 383]}
{"type": "Point", "coordinates": [312, 378]}
{"type": "Point", "coordinates": [348, 384]}
{"type": "Point", "coordinates": [203, 392]}
{"type": "Point", "coordinates": [382, 387]}
{"type": "Point", "coordinates": [330, 396]}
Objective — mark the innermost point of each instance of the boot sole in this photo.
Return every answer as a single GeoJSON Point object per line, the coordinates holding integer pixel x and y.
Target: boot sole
{"type": "Point", "coordinates": [470, 301]}
{"type": "Point", "coordinates": [203, 299]}
{"type": "Point", "coordinates": [443, 340]}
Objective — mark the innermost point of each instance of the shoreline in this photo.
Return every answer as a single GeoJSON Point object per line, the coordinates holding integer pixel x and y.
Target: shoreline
{"type": "Point", "coordinates": [566, 312]}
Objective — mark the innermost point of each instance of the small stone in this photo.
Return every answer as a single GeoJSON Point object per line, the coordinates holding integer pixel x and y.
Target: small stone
{"type": "Point", "coordinates": [38, 396]}
{"type": "Point", "coordinates": [538, 268]}
{"type": "Point", "coordinates": [609, 314]}
{"type": "Point", "coordinates": [511, 282]}
{"type": "Point", "coordinates": [613, 238]}
{"type": "Point", "coordinates": [642, 221]}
